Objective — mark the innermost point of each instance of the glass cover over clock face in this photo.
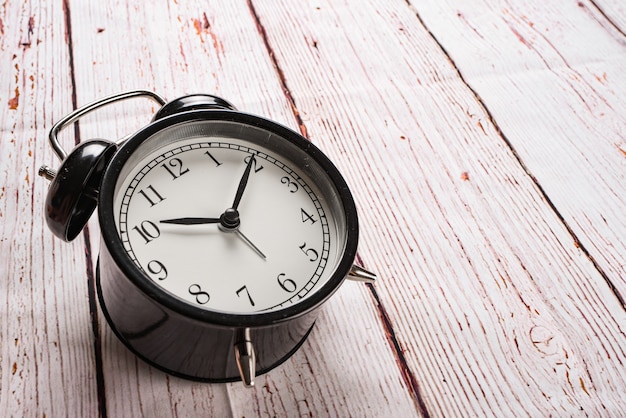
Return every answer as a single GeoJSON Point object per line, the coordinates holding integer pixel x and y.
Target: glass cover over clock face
{"type": "Point", "coordinates": [229, 217]}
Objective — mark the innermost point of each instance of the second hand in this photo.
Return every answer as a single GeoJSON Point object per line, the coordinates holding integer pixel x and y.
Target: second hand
{"type": "Point", "coordinates": [247, 241]}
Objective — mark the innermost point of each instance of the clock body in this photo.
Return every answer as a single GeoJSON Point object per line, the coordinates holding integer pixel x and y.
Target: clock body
{"type": "Point", "coordinates": [223, 234]}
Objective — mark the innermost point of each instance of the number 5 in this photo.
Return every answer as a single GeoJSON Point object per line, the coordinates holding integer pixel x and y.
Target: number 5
{"type": "Point", "coordinates": [310, 252]}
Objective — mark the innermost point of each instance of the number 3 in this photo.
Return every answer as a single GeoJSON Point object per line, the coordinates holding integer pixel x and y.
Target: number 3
{"type": "Point", "coordinates": [293, 186]}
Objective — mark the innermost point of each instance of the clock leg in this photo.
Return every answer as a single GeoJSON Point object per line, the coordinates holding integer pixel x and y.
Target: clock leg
{"type": "Point", "coordinates": [245, 357]}
{"type": "Point", "coordinates": [359, 274]}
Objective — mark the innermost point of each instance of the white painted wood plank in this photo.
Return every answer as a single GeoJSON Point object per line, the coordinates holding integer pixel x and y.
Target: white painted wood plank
{"type": "Point", "coordinates": [46, 344]}
{"type": "Point", "coordinates": [556, 92]}
{"type": "Point", "coordinates": [496, 309]}
{"type": "Point", "coordinates": [491, 304]}
{"type": "Point", "coordinates": [216, 48]}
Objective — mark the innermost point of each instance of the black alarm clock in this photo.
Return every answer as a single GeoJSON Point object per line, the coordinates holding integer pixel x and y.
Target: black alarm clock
{"type": "Point", "coordinates": [223, 233]}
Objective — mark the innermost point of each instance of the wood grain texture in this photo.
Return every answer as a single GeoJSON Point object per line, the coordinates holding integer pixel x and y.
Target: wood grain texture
{"type": "Point", "coordinates": [611, 14]}
{"type": "Point", "coordinates": [46, 343]}
{"type": "Point", "coordinates": [468, 234]}
{"type": "Point", "coordinates": [484, 143]}
{"type": "Point", "coordinates": [565, 133]}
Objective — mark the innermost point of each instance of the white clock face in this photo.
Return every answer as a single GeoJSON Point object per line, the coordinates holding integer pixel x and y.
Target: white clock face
{"type": "Point", "coordinates": [228, 224]}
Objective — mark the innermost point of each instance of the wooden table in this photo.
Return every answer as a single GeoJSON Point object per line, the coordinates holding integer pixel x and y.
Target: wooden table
{"type": "Point", "coordinates": [485, 144]}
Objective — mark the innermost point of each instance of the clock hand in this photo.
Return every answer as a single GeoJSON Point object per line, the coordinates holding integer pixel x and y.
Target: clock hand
{"type": "Point", "coordinates": [203, 221]}
{"type": "Point", "coordinates": [230, 222]}
{"type": "Point", "coordinates": [242, 183]}
{"type": "Point", "coordinates": [191, 221]}
{"type": "Point", "coordinates": [230, 218]}
{"type": "Point", "coordinates": [247, 241]}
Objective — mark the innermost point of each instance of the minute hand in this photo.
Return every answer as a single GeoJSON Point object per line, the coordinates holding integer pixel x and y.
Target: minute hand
{"type": "Point", "coordinates": [242, 183]}
{"type": "Point", "coordinates": [191, 221]}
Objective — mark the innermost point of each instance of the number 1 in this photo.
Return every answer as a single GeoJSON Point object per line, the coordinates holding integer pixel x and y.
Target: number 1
{"type": "Point", "coordinates": [217, 163]}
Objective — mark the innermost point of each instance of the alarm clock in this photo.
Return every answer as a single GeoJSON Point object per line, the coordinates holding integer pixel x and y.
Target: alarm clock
{"type": "Point", "coordinates": [222, 234]}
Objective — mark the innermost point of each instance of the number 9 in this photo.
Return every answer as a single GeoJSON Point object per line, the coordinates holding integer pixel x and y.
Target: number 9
{"type": "Point", "coordinates": [157, 268]}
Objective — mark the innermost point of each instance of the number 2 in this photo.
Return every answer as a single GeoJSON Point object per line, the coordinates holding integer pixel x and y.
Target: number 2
{"type": "Point", "coordinates": [254, 164]}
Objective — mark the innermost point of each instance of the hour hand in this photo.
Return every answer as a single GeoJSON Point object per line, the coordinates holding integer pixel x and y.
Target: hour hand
{"type": "Point", "coordinates": [243, 183]}
{"type": "Point", "coordinates": [191, 221]}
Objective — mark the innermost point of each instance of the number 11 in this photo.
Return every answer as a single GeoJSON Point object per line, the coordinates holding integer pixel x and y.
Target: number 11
{"type": "Point", "coordinates": [152, 196]}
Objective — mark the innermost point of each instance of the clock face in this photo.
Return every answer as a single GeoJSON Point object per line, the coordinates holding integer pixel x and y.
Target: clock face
{"type": "Point", "coordinates": [229, 217]}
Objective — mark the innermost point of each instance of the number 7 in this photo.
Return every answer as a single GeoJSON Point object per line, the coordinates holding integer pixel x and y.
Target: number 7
{"type": "Point", "coordinates": [238, 292]}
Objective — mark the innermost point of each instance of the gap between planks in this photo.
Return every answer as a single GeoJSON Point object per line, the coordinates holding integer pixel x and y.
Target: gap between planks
{"type": "Point", "coordinates": [519, 159]}
{"type": "Point", "coordinates": [407, 374]}
{"type": "Point", "coordinates": [91, 282]}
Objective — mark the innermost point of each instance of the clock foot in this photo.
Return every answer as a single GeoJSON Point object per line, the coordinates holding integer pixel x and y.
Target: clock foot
{"type": "Point", "coordinates": [246, 361]}
{"type": "Point", "coordinates": [359, 274]}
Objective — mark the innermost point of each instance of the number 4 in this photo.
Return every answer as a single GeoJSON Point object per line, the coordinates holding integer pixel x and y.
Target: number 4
{"type": "Point", "coordinates": [306, 217]}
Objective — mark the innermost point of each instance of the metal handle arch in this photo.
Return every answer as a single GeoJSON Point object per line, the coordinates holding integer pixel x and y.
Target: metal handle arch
{"type": "Point", "coordinates": [88, 108]}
